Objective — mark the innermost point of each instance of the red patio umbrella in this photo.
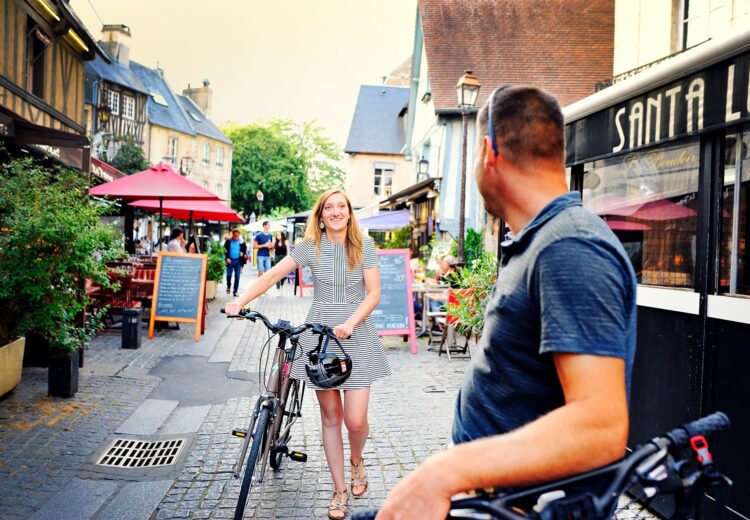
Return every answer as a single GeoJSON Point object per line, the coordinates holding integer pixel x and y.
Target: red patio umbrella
{"type": "Point", "coordinates": [190, 209]}
{"type": "Point", "coordinates": [160, 182]}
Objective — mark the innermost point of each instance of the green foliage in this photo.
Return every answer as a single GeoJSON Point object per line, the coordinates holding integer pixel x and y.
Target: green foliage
{"type": "Point", "coordinates": [473, 246]}
{"type": "Point", "coordinates": [475, 284]}
{"type": "Point", "coordinates": [262, 160]}
{"type": "Point", "coordinates": [321, 156]}
{"type": "Point", "coordinates": [129, 158]}
{"type": "Point", "coordinates": [400, 239]}
{"type": "Point", "coordinates": [51, 242]}
{"type": "Point", "coordinates": [216, 263]}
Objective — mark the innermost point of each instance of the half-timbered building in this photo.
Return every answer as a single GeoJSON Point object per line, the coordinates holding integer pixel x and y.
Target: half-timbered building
{"type": "Point", "coordinates": [43, 47]}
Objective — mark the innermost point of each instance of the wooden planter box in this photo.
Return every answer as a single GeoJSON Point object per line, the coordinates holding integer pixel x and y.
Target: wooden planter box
{"type": "Point", "coordinates": [11, 362]}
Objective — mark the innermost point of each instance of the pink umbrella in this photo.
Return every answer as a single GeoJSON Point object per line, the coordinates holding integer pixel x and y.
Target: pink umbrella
{"type": "Point", "coordinates": [662, 210]}
{"type": "Point", "coordinates": [190, 209]}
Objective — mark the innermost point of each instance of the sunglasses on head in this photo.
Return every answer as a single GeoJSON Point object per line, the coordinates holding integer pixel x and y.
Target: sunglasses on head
{"type": "Point", "coordinates": [490, 123]}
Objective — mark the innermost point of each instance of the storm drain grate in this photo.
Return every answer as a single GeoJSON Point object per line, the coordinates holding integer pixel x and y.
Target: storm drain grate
{"type": "Point", "coordinates": [133, 453]}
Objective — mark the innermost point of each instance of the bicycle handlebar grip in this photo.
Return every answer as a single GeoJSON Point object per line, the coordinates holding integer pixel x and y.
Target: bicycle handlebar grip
{"type": "Point", "coordinates": [715, 422]}
{"type": "Point", "coordinates": [365, 515]}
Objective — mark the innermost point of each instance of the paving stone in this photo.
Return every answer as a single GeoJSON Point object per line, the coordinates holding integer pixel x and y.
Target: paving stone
{"type": "Point", "coordinates": [187, 419]}
{"type": "Point", "coordinates": [148, 417]}
{"type": "Point", "coordinates": [135, 501]}
{"type": "Point", "coordinates": [79, 499]}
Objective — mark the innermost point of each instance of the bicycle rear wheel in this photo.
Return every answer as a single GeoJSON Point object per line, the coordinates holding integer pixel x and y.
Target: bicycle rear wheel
{"type": "Point", "coordinates": [259, 437]}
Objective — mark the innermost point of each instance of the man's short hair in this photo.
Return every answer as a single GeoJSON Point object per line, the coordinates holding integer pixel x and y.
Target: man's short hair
{"type": "Point", "coordinates": [528, 124]}
{"type": "Point", "coordinates": [236, 230]}
{"type": "Point", "coordinates": [265, 222]}
{"type": "Point", "coordinates": [450, 260]}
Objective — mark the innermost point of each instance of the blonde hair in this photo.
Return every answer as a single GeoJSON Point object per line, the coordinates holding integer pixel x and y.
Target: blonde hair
{"type": "Point", "coordinates": [313, 233]}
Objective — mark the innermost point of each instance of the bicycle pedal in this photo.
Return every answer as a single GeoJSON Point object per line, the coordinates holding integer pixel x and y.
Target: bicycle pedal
{"type": "Point", "coordinates": [239, 432]}
{"type": "Point", "coordinates": [297, 456]}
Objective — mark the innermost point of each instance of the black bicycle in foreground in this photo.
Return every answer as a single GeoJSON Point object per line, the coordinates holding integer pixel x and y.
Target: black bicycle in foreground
{"type": "Point", "coordinates": [278, 407]}
{"type": "Point", "coordinates": [677, 463]}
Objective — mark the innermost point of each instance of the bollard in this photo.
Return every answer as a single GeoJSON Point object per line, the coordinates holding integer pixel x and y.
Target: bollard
{"type": "Point", "coordinates": [131, 328]}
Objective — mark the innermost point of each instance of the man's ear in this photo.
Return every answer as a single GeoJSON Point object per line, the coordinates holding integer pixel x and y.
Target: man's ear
{"type": "Point", "coordinates": [489, 153]}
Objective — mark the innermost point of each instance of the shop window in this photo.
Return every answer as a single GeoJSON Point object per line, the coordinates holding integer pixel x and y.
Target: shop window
{"type": "Point", "coordinates": [734, 254]}
{"type": "Point", "coordinates": [383, 185]}
{"type": "Point", "coordinates": [649, 199]}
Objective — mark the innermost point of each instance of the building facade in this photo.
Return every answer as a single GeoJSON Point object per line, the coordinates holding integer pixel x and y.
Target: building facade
{"type": "Point", "coordinates": [662, 157]}
{"type": "Point", "coordinates": [375, 165]}
{"type": "Point", "coordinates": [541, 43]}
{"type": "Point", "coordinates": [42, 57]}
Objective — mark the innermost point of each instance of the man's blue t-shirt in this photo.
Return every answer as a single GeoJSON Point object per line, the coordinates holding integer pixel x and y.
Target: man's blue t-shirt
{"type": "Point", "coordinates": [565, 285]}
{"type": "Point", "coordinates": [234, 249]}
{"type": "Point", "coordinates": [261, 239]}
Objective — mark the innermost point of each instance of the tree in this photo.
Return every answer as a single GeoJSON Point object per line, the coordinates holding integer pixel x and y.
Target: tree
{"type": "Point", "coordinates": [262, 160]}
{"type": "Point", "coordinates": [321, 154]}
{"type": "Point", "coordinates": [129, 158]}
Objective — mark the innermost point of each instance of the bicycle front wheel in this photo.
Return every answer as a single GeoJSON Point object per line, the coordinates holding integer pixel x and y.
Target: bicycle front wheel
{"type": "Point", "coordinates": [259, 436]}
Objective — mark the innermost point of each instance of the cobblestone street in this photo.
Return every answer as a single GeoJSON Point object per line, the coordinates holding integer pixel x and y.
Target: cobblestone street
{"type": "Point", "coordinates": [172, 388]}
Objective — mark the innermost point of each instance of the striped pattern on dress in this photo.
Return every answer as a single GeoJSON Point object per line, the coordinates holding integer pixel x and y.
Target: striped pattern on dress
{"type": "Point", "coordinates": [338, 293]}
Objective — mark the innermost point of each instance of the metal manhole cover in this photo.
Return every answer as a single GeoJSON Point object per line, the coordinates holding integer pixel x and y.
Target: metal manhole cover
{"type": "Point", "coordinates": [133, 453]}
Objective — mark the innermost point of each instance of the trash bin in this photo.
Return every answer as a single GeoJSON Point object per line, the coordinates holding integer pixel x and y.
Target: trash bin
{"type": "Point", "coordinates": [131, 328]}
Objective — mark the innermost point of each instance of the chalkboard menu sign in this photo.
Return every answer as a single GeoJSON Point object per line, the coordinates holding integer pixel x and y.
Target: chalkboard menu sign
{"type": "Point", "coordinates": [179, 287]}
{"type": "Point", "coordinates": [394, 315]}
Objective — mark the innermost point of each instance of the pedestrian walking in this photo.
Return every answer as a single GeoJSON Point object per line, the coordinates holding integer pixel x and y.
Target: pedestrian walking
{"type": "Point", "coordinates": [279, 252]}
{"type": "Point", "coordinates": [176, 242]}
{"type": "Point", "coordinates": [346, 281]}
{"type": "Point", "coordinates": [235, 251]}
{"type": "Point", "coordinates": [546, 394]}
{"type": "Point", "coordinates": [263, 244]}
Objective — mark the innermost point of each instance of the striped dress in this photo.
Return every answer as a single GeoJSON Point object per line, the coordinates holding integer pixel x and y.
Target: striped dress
{"type": "Point", "coordinates": [338, 293]}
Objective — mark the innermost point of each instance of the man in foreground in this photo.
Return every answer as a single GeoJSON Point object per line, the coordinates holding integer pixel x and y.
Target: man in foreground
{"type": "Point", "coordinates": [546, 394]}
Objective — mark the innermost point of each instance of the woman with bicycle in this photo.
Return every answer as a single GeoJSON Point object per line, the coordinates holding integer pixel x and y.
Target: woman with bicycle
{"type": "Point", "coordinates": [346, 280]}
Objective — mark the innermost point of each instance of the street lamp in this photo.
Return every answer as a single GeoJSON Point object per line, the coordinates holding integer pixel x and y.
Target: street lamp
{"type": "Point", "coordinates": [259, 196]}
{"type": "Point", "coordinates": [467, 90]}
{"type": "Point", "coordinates": [423, 167]}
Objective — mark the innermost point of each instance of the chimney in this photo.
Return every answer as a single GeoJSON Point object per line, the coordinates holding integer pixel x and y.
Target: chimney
{"type": "Point", "coordinates": [202, 96]}
{"type": "Point", "coordinates": [116, 38]}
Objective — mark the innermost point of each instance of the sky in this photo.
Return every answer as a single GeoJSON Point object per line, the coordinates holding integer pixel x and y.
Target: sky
{"type": "Point", "coordinates": [297, 59]}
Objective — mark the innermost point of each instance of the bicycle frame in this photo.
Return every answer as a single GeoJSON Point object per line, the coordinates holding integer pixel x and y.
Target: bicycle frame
{"type": "Point", "coordinates": [273, 397]}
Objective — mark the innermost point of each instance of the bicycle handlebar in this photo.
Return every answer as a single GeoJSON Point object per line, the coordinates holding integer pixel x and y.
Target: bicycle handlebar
{"type": "Point", "coordinates": [678, 438]}
{"type": "Point", "coordinates": [316, 328]}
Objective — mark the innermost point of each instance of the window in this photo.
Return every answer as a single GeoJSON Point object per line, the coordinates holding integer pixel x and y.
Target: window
{"type": "Point", "coordinates": [113, 101]}
{"type": "Point", "coordinates": [205, 184]}
{"type": "Point", "coordinates": [206, 154]}
{"type": "Point", "coordinates": [706, 19]}
{"type": "Point", "coordinates": [383, 185]}
{"type": "Point", "coordinates": [36, 43]}
{"type": "Point", "coordinates": [128, 107]}
{"type": "Point", "coordinates": [172, 150]}
{"type": "Point", "coordinates": [734, 257]}
{"type": "Point", "coordinates": [219, 190]}
{"type": "Point", "coordinates": [220, 157]}
{"type": "Point", "coordinates": [159, 99]}
{"type": "Point", "coordinates": [649, 200]}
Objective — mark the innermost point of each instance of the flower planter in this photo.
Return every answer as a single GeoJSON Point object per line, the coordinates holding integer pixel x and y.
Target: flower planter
{"type": "Point", "coordinates": [11, 362]}
{"type": "Point", "coordinates": [211, 288]}
{"type": "Point", "coordinates": [62, 379]}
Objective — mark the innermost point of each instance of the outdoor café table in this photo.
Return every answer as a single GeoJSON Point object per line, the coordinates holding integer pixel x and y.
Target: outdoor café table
{"type": "Point", "coordinates": [421, 289]}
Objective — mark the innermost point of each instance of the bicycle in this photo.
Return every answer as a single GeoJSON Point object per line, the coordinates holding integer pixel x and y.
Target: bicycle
{"type": "Point", "coordinates": [677, 463]}
{"type": "Point", "coordinates": [278, 407]}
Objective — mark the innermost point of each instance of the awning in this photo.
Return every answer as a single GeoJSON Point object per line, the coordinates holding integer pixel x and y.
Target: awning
{"type": "Point", "coordinates": [424, 188]}
{"type": "Point", "coordinates": [257, 226]}
{"type": "Point", "coordinates": [104, 171]}
{"type": "Point", "coordinates": [386, 221]}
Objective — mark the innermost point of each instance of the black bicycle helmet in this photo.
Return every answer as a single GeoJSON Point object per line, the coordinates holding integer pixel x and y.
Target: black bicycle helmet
{"type": "Point", "coordinates": [327, 370]}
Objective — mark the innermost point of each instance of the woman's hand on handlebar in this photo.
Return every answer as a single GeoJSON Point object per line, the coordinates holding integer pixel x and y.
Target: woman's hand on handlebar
{"type": "Point", "coordinates": [232, 308]}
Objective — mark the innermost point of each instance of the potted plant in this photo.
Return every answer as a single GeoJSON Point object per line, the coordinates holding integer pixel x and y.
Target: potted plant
{"type": "Point", "coordinates": [215, 270]}
{"type": "Point", "coordinates": [52, 241]}
{"type": "Point", "coordinates": [475, 284]}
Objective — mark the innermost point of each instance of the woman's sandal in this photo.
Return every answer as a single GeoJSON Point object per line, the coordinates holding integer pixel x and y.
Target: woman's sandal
{"type": "Point", "coordinates": [359, 478]}
{"type": "Point", "coordinates": [338, 508]}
